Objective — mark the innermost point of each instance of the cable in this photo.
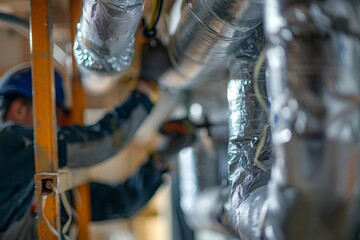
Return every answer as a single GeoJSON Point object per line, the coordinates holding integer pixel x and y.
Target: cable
{"type": "Point", "coordinates": [68, 210]}
{"type": "Point", "coordinates": [154, 11]}
{"type": "Point", "coordinates": [150, 29]}
{"type": "Point", "coordinates": [259, 63]}
{"type": "Point", "coordinates": [22, 26]}
{"type": "Point", "coordinates": [14, 19]}
{"type": "Point", "coordinates": [159, 8]}
{"type": "Point", "coordinates": [52, 229]}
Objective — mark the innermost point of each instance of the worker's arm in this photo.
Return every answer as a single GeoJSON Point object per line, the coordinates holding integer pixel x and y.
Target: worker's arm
{"type": "Point", "coordinates": [125, 199]}
{"type": "Point", "coordinates": [77, 145]}
{"type": "Point", "coordinates": [87, 145]}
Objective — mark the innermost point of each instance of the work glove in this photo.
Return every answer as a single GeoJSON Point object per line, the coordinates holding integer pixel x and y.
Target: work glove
{"type": "Point", "coordinates": [154, 61]}
{"type": "Point", "coordinates": [177, 134]}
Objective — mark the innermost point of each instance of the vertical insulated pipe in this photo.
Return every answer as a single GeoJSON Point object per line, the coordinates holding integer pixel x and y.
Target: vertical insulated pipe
{"type": "Point", "coordinates": [247, 124]}
{"type": "Point", "coordinates": [193, 181]}
{"type": "Point", "coordinates": [104, 44]}
{"type": "Point", "coordinates": [315, 80]}
{"type": "Point", "coordinates": [199, 166]}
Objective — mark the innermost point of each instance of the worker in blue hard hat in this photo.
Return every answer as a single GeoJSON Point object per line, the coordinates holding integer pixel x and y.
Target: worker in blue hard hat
{"type": "Point", "coordinates": [78, 146]}
{"type": "Point", "coordinates": [16, 87]}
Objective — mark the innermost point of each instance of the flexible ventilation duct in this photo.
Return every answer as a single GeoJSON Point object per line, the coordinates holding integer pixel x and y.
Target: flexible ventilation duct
{"type": "Point", "coordinates": [247, 124]}
{"type": "Point", "coordinates": [208, 35]}
{"type": "Point", "coordinates": [207, 32]}
{"type": "Point", "coordinates": [104, 44]}
{"type": "Point", "coordinates": [202, 199]}
{"type": "Point", "coordinates": [193, 182]}
{"type": "Point", "coordinates": [203, 166]}
{"type": "Point", "coordinates": [314, 60]}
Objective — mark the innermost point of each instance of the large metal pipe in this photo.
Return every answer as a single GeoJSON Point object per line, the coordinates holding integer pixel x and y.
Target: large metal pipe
{"type": "Point", "coordinates": [314, 192]}
{"type": "Point", "coordinates": [193, 181]}
{"type": "Point", "coordinates": [203, 166]}
{"type": "Point", "coordinates": [247, 124]}
{"type": "Point", "coordinates": [104, 44]}
{"type": "Point", "coordinates": [239, 211]}
{"type": "Point", "coordinates": [207, 33]}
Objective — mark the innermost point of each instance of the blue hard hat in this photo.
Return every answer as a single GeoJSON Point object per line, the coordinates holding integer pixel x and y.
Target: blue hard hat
{"type": "Point", "coordinates": [19, 81]}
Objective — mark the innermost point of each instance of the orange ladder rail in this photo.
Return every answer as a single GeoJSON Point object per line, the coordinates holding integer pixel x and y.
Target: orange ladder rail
{"type": "Point", "coordinates": [82, 199]}
{"type": "Point", "coordinates": [45, 130]}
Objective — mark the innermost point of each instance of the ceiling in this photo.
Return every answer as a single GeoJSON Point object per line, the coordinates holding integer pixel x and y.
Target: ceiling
{"type": "Point", "coordinates": [16, 47]}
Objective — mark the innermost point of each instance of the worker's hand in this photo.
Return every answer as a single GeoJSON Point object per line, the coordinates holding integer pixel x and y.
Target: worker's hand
{"type": "Point", "coordinates": [149, 88]}
{"type": "Point", "coordinates": [178, 134]}
{"type": "Point", "coordinates": [154, 60]}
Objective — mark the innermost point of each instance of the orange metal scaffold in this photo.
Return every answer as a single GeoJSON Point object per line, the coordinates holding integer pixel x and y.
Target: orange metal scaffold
{"type": "Point", "coordinates": [46, 178]}
{"type": "Point", "coordinates": [46, 159]}
{"type": "Point", "coordinates": [82, 200]}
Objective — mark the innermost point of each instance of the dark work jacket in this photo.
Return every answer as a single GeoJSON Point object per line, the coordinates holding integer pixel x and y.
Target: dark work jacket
{"type": "Point", "coordinates": [78, 146]}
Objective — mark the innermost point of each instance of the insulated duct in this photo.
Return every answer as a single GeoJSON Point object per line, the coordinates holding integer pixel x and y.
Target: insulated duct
{"type": "Point", "coordinates": [208, 31]}
{"type": "Point", "coordinates": [314, 192]}
{"type": "Point", "coordinates": [194, 178]}
{"type": "Point", "coordinates": [104, 44]}
{"type": "Point", "coordinates": [202, 197]}
{"type": "Point", "coordinates": [203, 166]}
{"type": "Point", "coordinates": [248, 123]}
{"type": "Point", "coordinates": [207, 107]}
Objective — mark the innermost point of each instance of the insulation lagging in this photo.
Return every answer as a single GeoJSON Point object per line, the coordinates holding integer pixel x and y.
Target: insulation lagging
{"type": "Point", "coordinates": [206, 34]}
{"type": "Point", "coordinates": [315, 80]}
{"type": "Point", "coordinates": [104, 43]}
{"type": "Point", "coordinates": [247, 124]}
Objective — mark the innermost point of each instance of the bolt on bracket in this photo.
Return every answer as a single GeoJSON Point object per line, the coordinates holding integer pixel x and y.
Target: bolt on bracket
{"type": "Point", "coordinates": [46, 183]}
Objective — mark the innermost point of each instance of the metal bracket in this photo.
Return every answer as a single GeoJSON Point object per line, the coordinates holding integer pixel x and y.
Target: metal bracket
{"type": "Point", "coordinates": [46, 183]}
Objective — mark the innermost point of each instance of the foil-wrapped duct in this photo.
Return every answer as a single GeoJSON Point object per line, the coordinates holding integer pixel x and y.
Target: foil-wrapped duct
{"type": "Point", "coordinates": [202, 197]}
{"type": "Point", "coordinates": [202, 169]}
{"type": "Point", "coordinates": [201, 166]}
{"type": "Point", "coordinates": [193, 182]}
{"type": "Point", "coordinates": [104, 43]}
{"type": "Point", "coordinates": [247, 124]}
{"type": "Point", "coordinates": [208, 31]}
{"type": "Point", "coordinates": [314, 192]}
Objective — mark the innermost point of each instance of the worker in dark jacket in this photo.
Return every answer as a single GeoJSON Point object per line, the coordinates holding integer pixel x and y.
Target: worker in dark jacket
{"type": "Point", "coordinates": [78, 146]}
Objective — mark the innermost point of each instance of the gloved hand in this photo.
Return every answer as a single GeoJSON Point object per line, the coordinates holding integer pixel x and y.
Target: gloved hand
{"type": "Point", "coordinates": [154, 61]}
{"type": "Point", "coordinates": [148, 88]}
{"type": "Point", "coordinates": [178, 134]}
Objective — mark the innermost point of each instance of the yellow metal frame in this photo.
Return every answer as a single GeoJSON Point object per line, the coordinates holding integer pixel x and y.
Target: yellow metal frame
{"type": "Point", "coordinates": [46, 159]}
{"type": "Point", "coordinates": [45, 125]}
{"type": "Point", "coordinates": [82, 199]}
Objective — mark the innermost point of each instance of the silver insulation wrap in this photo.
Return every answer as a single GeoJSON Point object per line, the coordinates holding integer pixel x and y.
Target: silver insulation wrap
{"type": "Point", "coordinates": [207, 32]}
{"type": "Point", "coordinates": [247, 124]}
{"type": "Point", "coordinates": [203, 166]}
{"type": "Point", "coordinates": [197, 202]}
{"type": "Point", "coordinates": [314, 192]}
{"type": "Point", "coordinates": [202, 197]}
{"type": "Point", "coordinates": [104, 42]}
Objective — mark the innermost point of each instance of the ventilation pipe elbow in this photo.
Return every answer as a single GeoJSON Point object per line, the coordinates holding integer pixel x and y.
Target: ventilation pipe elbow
{"type": "Point", "coordinates": [207, 32]}
{"type": "Point", "coordinates": [104, 43]}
